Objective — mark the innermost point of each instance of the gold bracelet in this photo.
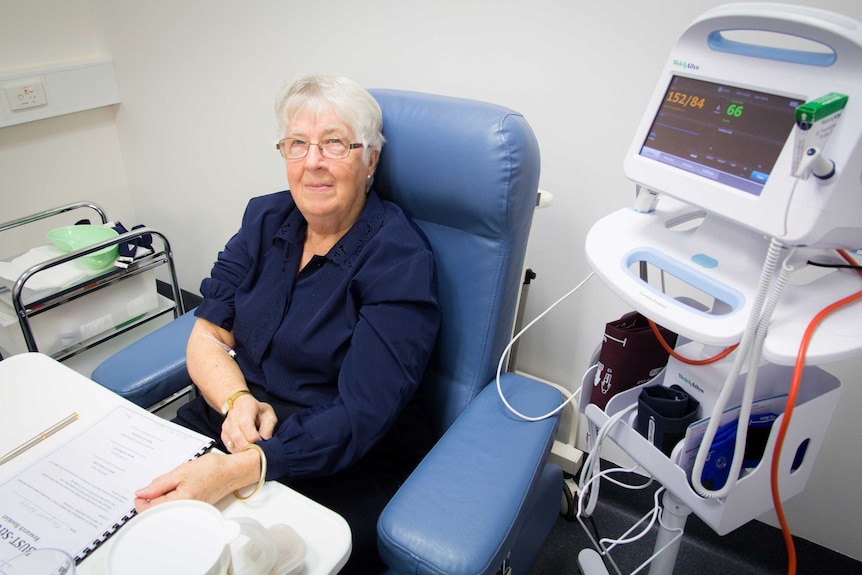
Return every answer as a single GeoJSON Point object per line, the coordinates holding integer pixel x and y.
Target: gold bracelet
{"type": "Point", "coordinates": [262, 473]}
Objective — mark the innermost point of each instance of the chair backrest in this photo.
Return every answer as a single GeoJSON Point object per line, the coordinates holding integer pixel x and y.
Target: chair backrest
{"type": "Point", "coordinates": [467, 173]}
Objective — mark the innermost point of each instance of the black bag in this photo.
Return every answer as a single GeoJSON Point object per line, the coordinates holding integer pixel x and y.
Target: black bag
{"type": "Point", "coordinates": [664, 414]}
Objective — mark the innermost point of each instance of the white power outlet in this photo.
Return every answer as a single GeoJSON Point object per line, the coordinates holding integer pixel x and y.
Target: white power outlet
{"type": "Point", "coordinates": [28, 94]}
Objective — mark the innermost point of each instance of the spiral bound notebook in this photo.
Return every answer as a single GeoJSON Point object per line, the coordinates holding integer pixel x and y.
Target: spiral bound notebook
{"type": "Point", "coordinates": [81, 493]}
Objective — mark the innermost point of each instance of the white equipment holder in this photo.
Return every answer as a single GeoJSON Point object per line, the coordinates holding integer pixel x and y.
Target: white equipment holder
{"type": "Point", "coordinates": [707, 210]}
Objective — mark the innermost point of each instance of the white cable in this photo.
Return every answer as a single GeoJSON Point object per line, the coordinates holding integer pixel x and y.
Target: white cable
{"type": "Point", "coordinates": [580, 515]}
{"type": "Point", "coordinates": [593, 460]}
{"type": "Point", "coordinates": [753, 369]}
{"type": "Point", "coordinates": [629, 485]}
{"type": "Point", "coordinates": [605, 545]}
{"type": "Point", "coordinates": [745, 345]}
{"type": "Point", "coordinates": [591, 465]}
{"type": "Point", "coordinates": [788, 204]}
{"type": "Point", "coordinates": [741, 355]}
{"type": "Point", "coordinates": [625, 539]}
{"type": "Point", "coordinates": [606, 475]}
{"type": "Point", "coordinates": [508, 348]}
{"type": "Point", "coordinates": [657, 552]}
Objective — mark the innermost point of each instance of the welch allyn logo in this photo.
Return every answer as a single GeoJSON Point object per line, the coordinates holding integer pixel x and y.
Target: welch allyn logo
{"type": "Point", "coordinates": [690, 382]}
{"type": "Point", "coordinates": [685, 65]}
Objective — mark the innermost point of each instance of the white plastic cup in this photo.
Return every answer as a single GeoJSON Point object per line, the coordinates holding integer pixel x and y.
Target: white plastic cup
{"type": "Point", "coordinates": [190, 538]}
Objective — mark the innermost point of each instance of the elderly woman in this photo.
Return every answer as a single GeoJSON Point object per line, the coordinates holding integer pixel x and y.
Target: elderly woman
{"type": "Point", "coordinates": [315, 329]}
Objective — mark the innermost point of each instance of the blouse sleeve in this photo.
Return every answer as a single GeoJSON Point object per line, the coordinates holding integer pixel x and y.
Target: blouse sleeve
{"type": "Point", "coordinates": [237, 259]}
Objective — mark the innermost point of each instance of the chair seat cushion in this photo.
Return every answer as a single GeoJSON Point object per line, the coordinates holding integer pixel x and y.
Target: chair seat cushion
{"type": "Point", "coordinates": [151, 369]}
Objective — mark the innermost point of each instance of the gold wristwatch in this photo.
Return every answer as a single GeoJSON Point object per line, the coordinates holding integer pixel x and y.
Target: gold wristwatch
{"type": "Point", "coordinates": [228, 403]}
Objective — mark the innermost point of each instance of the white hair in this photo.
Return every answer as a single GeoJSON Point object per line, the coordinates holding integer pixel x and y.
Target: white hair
{"type": "Point", "coordinates": [351, 103]}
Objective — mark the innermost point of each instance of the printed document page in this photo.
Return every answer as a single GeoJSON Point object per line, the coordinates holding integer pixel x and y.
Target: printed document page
{"type": "Point", "coordinates": [78, 495]}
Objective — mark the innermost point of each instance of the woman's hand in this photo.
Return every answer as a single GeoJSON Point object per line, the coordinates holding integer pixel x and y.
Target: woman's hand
{"type": "Point", "coordinates": [208, 478]}
{"type": "Point", "coordinates": [248, 421]}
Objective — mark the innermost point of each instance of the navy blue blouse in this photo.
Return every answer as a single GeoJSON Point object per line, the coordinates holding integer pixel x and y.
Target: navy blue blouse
{"type": "Point", "coordinates": [349, 336]}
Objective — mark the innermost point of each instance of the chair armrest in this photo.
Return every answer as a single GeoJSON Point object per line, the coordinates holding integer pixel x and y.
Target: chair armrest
{"type": "Point", "coordinates": [462, 508]}
{"type": "Point", "coordinates": [152, 368]}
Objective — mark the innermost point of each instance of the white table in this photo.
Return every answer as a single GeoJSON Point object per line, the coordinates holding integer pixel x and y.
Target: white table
{"type": "Point", "coordinates": [37, 391]}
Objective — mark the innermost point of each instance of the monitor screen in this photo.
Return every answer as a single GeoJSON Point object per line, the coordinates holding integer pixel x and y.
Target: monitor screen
{"type": "Point", "coordinates": [721, 132]}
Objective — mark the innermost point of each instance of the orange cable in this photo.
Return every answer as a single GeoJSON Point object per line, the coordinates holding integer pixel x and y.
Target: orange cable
{"type": "Point", "coordinates": [788, 414]}
{"type": "Point", "coordinates": [689, 361]}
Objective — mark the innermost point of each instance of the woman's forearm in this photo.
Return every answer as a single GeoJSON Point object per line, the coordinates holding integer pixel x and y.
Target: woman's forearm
{"type": "Point", "coordinates": [210, 365]}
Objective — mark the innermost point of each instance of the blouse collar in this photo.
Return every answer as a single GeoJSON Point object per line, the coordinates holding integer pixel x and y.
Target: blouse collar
{"type": "Point", "coordinates": [347, 249]}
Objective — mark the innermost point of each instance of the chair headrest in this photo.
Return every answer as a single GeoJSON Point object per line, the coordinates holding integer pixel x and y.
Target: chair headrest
{"type": "Point", "coordinates": [441, 154]}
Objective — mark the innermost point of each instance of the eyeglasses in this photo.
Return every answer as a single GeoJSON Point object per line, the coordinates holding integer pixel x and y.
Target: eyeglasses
{"type": "Point", "coordinates": [332, 148]}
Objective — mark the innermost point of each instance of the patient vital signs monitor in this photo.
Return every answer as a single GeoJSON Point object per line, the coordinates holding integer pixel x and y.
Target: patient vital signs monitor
{"type": "Point", "coordinates": [747, 165]}
{"type": "Point", "coordinates": [720, 131]}
{"type": "Point", "coordinates": [755, 128]}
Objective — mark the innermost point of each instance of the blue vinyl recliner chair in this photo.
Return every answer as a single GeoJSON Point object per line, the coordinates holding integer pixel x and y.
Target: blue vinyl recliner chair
{"type": "Point", "coordinates": [485, 497]}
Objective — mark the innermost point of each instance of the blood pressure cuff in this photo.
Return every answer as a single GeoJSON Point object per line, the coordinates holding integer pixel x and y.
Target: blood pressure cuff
{"type": "Point", "coordinates": [664, 413]}
{"type": "Point", "coordinates": [630, 355]}
{"type": "Point", "coordinates": [716, 469]}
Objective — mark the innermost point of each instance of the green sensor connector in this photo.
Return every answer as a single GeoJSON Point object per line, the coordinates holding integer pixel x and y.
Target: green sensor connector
{"type": "Point", "coordinates": [816, 110]}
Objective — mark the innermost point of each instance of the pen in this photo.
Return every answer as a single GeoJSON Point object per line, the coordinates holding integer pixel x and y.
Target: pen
{"type": "Point", "coordinates": [44, 435]}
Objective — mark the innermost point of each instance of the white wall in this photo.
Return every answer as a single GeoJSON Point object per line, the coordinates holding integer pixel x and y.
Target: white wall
{"type": "Point", "coordinates": [56, 161]}
{"type": "Point", "coordinates": [192, 139]}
